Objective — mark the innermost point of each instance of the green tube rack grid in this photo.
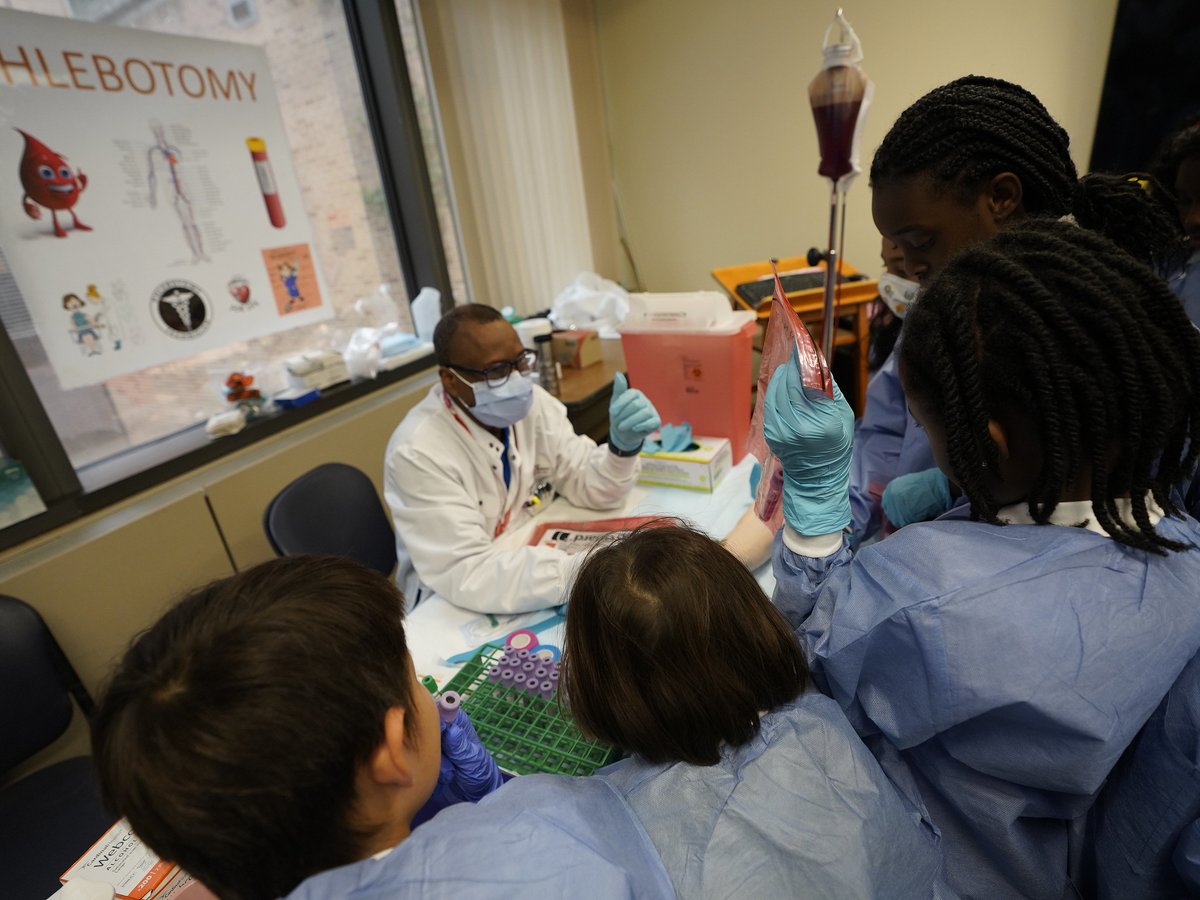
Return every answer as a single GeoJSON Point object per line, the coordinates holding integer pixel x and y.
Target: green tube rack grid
{"type": "Point", "coordinates": [524, 733]}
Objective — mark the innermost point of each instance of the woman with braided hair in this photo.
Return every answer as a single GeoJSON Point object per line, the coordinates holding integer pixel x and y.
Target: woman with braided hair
{"type": "Point", "coordinates": [1010, 651]}
{"type": "Point", "coordinates": [969, 158]}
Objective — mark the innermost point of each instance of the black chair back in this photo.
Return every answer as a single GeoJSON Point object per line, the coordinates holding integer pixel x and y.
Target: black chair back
{"type": "Point", "coordinates": [332, 509]}
{"type": "Point", "coordinates": [51, 816]}
{"type": "Point", "coordinates": [36, 684]}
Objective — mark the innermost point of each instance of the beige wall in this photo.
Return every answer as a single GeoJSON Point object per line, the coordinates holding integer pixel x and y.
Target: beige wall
{"type": "Point", "coordinates": [101, 580]}
{"type": "Point", "coordinates": [714, 152]}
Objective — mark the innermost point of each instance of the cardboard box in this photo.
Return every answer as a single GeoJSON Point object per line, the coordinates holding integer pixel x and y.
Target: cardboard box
{"type": "Point", "coordinates": [696, 470]}
{"type": "Point", "coordinates": [121, 860]}
{"type": "Point", "coordinates": [577, 349]}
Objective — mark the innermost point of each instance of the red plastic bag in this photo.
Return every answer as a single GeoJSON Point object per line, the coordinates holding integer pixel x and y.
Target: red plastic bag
{"type": "Point", "coordinates": [787, 339]}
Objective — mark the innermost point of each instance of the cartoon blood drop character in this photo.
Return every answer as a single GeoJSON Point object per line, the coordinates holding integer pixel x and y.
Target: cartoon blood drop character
{"type": "Point", "coordinates": [50, 181]}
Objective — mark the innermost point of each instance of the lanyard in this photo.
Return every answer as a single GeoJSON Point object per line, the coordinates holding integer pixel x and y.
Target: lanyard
{"type": "Point", "coordinates": [502, 522]}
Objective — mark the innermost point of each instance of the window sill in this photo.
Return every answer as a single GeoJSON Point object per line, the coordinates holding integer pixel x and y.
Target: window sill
{"type": "Point", "coordinates": [121, 476]}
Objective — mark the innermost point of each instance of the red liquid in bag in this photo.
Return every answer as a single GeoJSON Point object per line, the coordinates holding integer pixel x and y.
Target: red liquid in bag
{"type": "Point", "coordinates": [835, 135]}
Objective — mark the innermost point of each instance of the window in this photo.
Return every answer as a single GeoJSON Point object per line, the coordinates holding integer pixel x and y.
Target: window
{"type": "Point", "coordinates": [372, 219]}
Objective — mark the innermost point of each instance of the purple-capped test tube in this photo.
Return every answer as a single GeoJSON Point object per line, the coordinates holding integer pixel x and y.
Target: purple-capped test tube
{"type": "Point", "coordinates": [493, 673]}
{"type": "Point", "coordinates": [546, 689]}
{"type": "Point", "coordinates": [448, 705]}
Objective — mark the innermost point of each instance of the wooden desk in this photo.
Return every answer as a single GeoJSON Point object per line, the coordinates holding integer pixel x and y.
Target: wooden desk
{"type": "Point", "coordinates": [810, 306]}
{"type": "Point", "coordinates": [587, 392]}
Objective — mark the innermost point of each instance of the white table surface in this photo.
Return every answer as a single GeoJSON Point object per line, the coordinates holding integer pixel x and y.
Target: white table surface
{"type": "Point", "coordinates": [437, 629]}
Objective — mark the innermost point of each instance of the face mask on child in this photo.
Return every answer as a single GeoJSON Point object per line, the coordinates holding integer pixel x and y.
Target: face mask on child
{"type": "Point", "coordinates": [898, 293]}
{"type": "Point", "coordinates": [504, 406]}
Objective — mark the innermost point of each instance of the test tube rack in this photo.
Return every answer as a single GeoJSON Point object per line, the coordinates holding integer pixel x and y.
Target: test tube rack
{"type": "Point", "coordinates": [527, 730]}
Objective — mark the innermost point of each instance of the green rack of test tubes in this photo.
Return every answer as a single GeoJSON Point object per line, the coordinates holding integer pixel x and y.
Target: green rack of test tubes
{"type": "Point", "coordinates": [525, 733]}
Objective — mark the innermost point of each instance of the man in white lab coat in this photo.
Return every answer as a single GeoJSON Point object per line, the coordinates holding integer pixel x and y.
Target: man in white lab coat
{"type": "Point", "coordinates": [483, 452]}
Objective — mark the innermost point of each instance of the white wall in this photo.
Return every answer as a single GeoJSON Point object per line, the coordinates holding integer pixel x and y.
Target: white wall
{"type": "Point", "coordinates": [714, 152]}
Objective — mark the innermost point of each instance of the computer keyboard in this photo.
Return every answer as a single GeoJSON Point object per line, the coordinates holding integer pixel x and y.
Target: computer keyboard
{"type": "Point", "coordinates": [754, 292]}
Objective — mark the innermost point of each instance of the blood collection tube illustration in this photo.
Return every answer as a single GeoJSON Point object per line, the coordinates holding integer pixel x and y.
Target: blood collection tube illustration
{"type": "Point", "coordinates": [266, 180]}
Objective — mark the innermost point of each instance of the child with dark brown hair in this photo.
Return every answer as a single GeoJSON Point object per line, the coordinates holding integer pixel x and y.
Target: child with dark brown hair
{"type": "Point", "coordinates": [747, 783]}
{"type": "Point", "coordinates": [270, 736]}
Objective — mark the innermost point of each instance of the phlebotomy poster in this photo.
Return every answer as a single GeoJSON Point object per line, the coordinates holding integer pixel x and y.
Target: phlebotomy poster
{"type": "Point", "coordinates": [148, 205]}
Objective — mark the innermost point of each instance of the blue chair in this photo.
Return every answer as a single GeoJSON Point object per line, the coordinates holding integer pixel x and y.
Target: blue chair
{"type": "Point", "coordinates": [1152, 798]}
{"type": "Point", "coordinates": [335, 510]}
{"type": "Point", "coordinates": [50, 818]}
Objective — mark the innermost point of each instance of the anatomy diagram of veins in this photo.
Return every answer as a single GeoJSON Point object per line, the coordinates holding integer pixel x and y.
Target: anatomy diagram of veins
{"type": "Point", "coordinates": [165, 161]}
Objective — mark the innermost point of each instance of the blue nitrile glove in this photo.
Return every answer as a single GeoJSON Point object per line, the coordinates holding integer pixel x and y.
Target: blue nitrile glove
{"type": "Point", "coordinates": [631, 416]}
{"type": "Point", "coordinates": [468, 771]}
{"type": "Point", "coordinates": [676, 438]}
{"type": "Point", "coordinates": [916, 497]}
{"type": "Point", "coordinates": [812, 436]}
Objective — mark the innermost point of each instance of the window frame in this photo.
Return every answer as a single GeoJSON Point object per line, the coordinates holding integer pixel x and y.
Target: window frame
{"type": "Point", "coordinates": [26, 431]}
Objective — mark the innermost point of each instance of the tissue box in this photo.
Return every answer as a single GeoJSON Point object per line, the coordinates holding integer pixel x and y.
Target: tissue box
{"type": "Point", "coordinates": [577, 348]}
{"type": "Point", "coordinates": [697, 470]}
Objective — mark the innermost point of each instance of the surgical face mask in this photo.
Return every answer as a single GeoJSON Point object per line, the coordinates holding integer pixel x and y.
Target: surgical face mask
{"type": "Point", "coordinates": [898, 293]}
{"type": "Point", "coordinates": [504, 406]}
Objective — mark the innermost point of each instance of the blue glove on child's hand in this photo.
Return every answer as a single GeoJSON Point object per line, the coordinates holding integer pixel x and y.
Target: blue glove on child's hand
{"type": "Point", "coordinates": [813, 436]}
{"type": "Point", "coordinates": [468, 771]}
{"type": "Point", "coordinates": [916, 497]}
{"type": "Point", "coordinates": [631, 416]}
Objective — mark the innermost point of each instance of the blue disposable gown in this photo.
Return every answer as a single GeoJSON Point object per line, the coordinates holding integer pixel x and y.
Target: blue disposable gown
{"type": "Point", "coordinates": [1147, 810]}
{"type": "Point", "coordinates": [1187, 858]}
{"type": "Point", "coordinates": [887, 443]}
{"type": "Point", "coordinates": [1186, 285]}
{"type": "Point", "coordinates": [801, 810]}
{"type": "Point", "coordinates": [538, 836]}
{"type": "Point", "coordinates": [1009, 666]}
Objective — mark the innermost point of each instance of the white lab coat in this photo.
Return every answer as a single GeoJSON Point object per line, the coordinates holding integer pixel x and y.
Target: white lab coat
{"type": "Point", "coordinates": [444, 483]}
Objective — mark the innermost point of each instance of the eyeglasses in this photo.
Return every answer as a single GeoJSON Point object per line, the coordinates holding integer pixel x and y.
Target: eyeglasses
{"type": "Point", "coordinates": [497, 373]}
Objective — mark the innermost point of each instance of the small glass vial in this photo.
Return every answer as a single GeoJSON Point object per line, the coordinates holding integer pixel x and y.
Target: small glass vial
{"type": "Point", "coordinates": [548, 373]}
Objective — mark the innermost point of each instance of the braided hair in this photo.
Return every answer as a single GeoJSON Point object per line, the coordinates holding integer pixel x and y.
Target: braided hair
{"type": "Point", "coordinates": [963, 134]}
{"type": "Point", "coordinates": [1058, 325]}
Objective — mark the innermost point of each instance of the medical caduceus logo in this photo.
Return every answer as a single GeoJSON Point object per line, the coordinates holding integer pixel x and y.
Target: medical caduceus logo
{"type": "Point", "coordinates": [181, 309]}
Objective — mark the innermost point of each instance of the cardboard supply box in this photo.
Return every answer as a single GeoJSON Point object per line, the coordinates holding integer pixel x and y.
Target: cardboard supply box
{"type": "Point", "coordinates": [577, 349]}
{"type": "Point", "coordinates": [697, 470]}
{"type": "Point", "coordinates": [121, 860]}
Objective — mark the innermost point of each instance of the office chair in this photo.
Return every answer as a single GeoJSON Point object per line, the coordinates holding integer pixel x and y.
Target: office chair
{"type": "Point", "coordinates": [332, 509]}
{"type": "Point", "coordinates": [50, 818]}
